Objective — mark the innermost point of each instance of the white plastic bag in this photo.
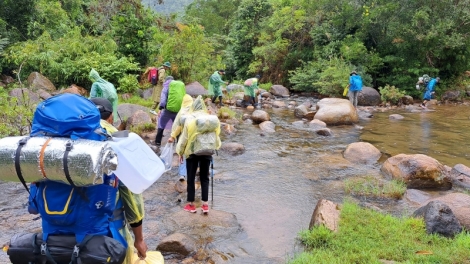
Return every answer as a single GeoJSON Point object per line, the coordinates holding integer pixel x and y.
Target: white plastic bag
{"type": "Point", "coordinates": [167, 156]}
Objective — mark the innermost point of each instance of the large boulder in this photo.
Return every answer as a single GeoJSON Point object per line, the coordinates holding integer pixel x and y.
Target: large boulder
{"type": "Point", "coordinates": [38, 81]}
{"type": "Point", "coordinates": [268, 127]}
{"type": "Point", "coordinates": [75, 89]}
{"type": "Point", "coordinates": [439, 219]}
{"type": "Point", "coordinates": [460, 205]}
{"type": "Point", "coordinates": [460, 175]}
{"type": "Point", "coordinates": [138, 119]}
{"type": "Point", "coordinates": [23, 93]}
{"type": "Point", "coordinates": [279, 90]}
{"type": "Point", "coordinates": [195, 89]}
{"type": "Point", "coordinates": [451, 96]}
{"type": "Point", "coordinates": [362, 153]}
{"type": "Point", "coordinates": [336, 111]}
{"type": "Point", "coordinates": [368, 97]}
{"type": "Point", "coordinates": [418, 171]}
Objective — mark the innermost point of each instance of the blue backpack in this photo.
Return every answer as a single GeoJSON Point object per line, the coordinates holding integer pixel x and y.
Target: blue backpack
{"type": "Point", "coordinates": [68, 115]}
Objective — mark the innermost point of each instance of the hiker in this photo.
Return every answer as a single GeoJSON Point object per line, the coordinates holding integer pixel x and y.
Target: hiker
{"type": "Point", "coordinates": [170, 104]}
{"type": "Point", "coordinates": [195, 137]}
{"type": "Point", "coordinates": [178, 127]}
{"type": "Point", "coordinates": [158, 87]}
{"type": "Point", "coordinates": [133, 203]}
{"type": "Point", "coordinates": [214, 86]}
{"type": "Point", "coordinates": [355, 86]}
{"type": "Point", "coordinates": [429, 91]}
{"type": "Point", "coordinates": [249, 86]}
{"type": "Point", "coordinates": [104, 89]}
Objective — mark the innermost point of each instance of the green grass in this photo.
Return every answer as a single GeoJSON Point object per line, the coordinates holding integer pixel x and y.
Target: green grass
{"type": "Point", "coordinates": [149, 127]}
{"type": "Point", "coordinates": [366, 236]}
{"type": "Point", "coordinates": [231, 114]}
{"type": "Point", "coordinates": [374, 187]}
{"type": "Point", "coordinates": [136, 99]}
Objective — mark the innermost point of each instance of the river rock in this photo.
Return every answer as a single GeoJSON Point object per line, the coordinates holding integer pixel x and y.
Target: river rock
{"type": "Point", "coordinates": [450, 96]}
{"type": "Point", "coordinates": [336, 111]}
{"type": "Point", "coordinates": [138, 119]}
{"type": "Point", "coordinates": [368, 96]}
{"type": "Point", "coordinates": [75, 89]}
{"type": "Point", "coordinates": [279, 104]}
{"type": "Point", "coordinates": [362, 153]}
{"type": "Point", "coordinates": [323, 131]}
{"type": "Point", "coordinates": [460, 175]}
{"type": "Point", "coordinates": [39, 81]}
{"type": "Point", "coordinates": [315, 123]}
{"type": "Point", "coordinates": [407, 100]}
{"type": "Point", "coordinates": [127, 110]}
{"type": "Point", "coordinates": [267, 95]}
{"type": "Point", "coordinates": [395, 117]}
{"type": "Point", "coordinates": [439, 219]}
{"type": "Point", "coordinates": [418, 171]}
{"type": "Point", "coordinates": [23, 93]}
{"type": "Point", "coordinates": [177, 243]}
{"type": "Point", "coordinates": [326, 213]}
{"type": "Point", "coordinates": [260, 116]}
{"type": "Point", "coordinates": [460, 205]}
{"type": "Point", "coordinates": [195, 89]}
{"type": "Point", "coordinates": [300, 111]}
{"type": "Point", "coordinates": [268, 127]}
{"type": "Point", "coordinates": [279, 90]}
{"type": "Point", "coordinates": [233, 148]}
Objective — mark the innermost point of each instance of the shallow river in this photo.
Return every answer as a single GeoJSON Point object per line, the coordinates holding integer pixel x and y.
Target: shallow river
{"type": "Point", "coordinates": [274, 186]}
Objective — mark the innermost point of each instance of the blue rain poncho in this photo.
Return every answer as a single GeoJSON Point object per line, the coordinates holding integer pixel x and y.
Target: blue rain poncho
{"type": "Point", "coordinates": [104, 89]}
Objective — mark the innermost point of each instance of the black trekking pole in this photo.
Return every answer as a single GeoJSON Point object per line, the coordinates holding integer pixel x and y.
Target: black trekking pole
{"type": "Point", "coordinates": [212, 178]}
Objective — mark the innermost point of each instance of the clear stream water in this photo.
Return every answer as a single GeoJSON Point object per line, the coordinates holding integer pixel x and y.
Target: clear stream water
{"type": "Point", "coordinates": [274, 186]}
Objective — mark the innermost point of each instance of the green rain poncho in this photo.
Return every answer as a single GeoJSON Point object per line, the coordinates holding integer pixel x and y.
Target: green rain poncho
{"type": "Point", "coordinates": [214, 84]}
{"type": "Point", "coordinates": [104, 89]}
{"type": "Point", "coordinates": [250, 86]}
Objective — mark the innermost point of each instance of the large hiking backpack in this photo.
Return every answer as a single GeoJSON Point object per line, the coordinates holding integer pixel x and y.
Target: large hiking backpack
{"type": "Point", "coordinates": [176, 92]}
{"type": "Point", "coordinates": [153, 76]}
{"type": "Point", "coordinates": [68, 115]}
{"type": "Point", "coordinates": [205, 141]}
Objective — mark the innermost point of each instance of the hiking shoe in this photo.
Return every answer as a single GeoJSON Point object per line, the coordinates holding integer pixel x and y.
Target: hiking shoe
{"type": "Point", "coordinates": [190, 208]}
{"type": "Point", "coordinates": [153, 112]}
{"type": "Point", "coordinates": [182, 178]}
{"type": "Point", "coordinates": [205, 208]}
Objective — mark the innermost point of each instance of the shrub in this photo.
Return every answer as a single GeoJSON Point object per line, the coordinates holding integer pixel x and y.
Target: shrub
{"type": "Point", "coordinates": [391, 94]}
{"type": "Point", "coordinates": [128, 84]}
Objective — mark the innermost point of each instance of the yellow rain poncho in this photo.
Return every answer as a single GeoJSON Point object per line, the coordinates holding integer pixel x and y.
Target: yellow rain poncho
{"type": "Point", "coordinates": [192, 129]}
{"type": "Point", "coordinates": [104, 89]}
{"type": "Point", "coordinates": [178, 123]}
{"type": "Point", "coordinates": [133, 204]}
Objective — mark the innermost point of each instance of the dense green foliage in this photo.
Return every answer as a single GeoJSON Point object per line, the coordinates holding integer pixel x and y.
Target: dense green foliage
{"type": "Point", "coordinates": [366, 236]}
{"type": "Point", "coordinates": [305, 45]}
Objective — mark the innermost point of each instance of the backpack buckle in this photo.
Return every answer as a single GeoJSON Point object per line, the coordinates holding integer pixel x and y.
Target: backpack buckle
{"type": "Point", "coordinates": [76, 251]}
{"type": "Point", "coordinates": [68, 146]}
{"type": "Point", "coordinates": [43, 249]}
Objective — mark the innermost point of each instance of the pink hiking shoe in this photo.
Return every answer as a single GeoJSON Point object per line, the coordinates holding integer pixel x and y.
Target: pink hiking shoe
{"type": "Point", "coordinates": [190, 208]}
{"type": "Point", "coordinates": [205, 208]}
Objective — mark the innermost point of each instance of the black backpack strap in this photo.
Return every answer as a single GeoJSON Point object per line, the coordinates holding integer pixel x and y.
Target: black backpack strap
{"type": "Point", "coordinates": [21, 144]}
{"type": "Point", "coordinates": [68, 148]}
{"type": "Point", "coordinates": [76, 250]}
{"type": "Point", "coordinates": [45, 252]}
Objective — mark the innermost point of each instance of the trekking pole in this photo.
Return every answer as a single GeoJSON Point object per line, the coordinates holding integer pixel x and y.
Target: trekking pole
{"type": "Point", "coordinates": [212, 177]}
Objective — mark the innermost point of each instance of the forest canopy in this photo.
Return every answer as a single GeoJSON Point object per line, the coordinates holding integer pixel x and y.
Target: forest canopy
{"type": "Point", "coordinates": [303, 44]}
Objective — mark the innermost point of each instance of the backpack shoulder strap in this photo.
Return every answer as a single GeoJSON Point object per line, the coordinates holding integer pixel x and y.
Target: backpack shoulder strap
{"type": "Point", "coordinates": [21, 144]}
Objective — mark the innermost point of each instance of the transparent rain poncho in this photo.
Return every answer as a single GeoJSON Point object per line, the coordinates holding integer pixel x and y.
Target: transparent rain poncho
{"type": "Point", "coordinates": [200, 131]}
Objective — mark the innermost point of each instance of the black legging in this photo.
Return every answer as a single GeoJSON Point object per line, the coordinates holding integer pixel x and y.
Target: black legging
{"type": "Point", "coordinates": [192, 162]}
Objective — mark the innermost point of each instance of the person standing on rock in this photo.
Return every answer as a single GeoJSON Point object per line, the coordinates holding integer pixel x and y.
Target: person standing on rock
{"type": "Point", "coordinates": [429, 91]}
{"type": "Point", "coordinates": [104, 89]}
{"type": "Point", "coordinates": [215, 81]}
{"type": "Point", "coordinates": [178, 127]}
{"type": "Point", "coordinates": [157, 88]}
{"type": "Point", "coordinates": [200, 134]}
{"type": "Point", "coordinates": [355, 87]}
{"type": "Point", "coordinates": [249, 87]}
